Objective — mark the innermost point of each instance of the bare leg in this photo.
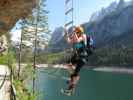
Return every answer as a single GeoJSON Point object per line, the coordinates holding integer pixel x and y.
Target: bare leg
{"type": "Point", "coordinates": [70, 67]}
{"type": "Point", "coordinates": [72, 84]}
{"type": "Point", "coordinates": [74, 80]}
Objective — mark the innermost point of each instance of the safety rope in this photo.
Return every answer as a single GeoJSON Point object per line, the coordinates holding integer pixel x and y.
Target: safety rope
{"type": "Point", "coordinates": [13, 97]}
{"type": "Point", "coordinates": [20, 49]}
{"type": "Point", "coordinates": [69, 15]}
{"type": "Point", "coordinates": [70, 24]}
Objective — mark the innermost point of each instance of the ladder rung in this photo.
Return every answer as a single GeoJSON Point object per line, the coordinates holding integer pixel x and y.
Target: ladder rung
{"type": "Point", "coordinates": [66, 2]}
{"type": "Point", "coordinates": [70, 10]}
{"type": "Point", "coordinates": [67, 24]}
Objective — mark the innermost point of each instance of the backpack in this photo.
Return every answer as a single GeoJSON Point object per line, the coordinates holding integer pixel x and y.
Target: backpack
{"type": "Point", "coordinates": [90, 42]}
{"type": "Point", "coordinates": [90, 45]}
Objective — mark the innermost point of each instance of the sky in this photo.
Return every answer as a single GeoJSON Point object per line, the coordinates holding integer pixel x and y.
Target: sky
{"type": "Point", "coordinates": [83, 9]}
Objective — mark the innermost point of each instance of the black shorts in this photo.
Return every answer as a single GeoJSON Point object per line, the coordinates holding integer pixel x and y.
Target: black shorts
{"type": "Point", "coordinates": [78, 59]}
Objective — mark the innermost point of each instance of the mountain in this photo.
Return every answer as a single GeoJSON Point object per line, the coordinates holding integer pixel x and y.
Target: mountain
{"type": "Point", "coordinates": [57, 42]}
{"type": "Point", "coordinates": [103, 12]}
{"type": "Point", "coordinates": [57, 35]}
{"type": "Point", "coordinates": [125, 40]}
{"type": "Point", "coordinates": [111, 26]}
{"type": "Point", "coordinates": [114, 6]}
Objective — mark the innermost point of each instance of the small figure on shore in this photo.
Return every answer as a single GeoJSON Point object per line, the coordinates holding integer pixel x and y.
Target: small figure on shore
{"type": "Point", "coordinates": [2, 48]}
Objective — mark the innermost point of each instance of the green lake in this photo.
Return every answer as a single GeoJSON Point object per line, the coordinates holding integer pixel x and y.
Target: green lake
{"type": "Point", "coordinates": [93, 85]}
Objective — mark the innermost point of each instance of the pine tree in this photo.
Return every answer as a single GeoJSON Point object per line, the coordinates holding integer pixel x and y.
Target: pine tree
{"type": "Point", "coordinates": [36, 26]}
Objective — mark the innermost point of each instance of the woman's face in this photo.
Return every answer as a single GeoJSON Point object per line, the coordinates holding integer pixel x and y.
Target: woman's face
{"type": "Point", "coordinates": [78, 34]}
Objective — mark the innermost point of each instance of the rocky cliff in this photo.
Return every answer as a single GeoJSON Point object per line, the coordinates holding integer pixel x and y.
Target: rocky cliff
{"type": "Point", "coordinates": [12, 10]}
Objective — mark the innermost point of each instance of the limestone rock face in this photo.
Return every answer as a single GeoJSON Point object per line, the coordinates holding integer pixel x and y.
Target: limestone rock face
{"type": "Point", "coordinates": [12, 10]}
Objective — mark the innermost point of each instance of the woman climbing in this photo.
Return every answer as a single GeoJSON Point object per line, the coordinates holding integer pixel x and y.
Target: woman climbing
{"type": "Point", "coordinates": [79, 41]}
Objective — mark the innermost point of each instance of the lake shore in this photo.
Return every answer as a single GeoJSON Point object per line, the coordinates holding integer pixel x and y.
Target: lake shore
{"type": "Point", "coordinates": [115, 69]}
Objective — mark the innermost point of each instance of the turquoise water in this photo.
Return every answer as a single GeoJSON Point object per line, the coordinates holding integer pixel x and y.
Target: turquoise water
{"type": "Point", "coordinates": [92, 85]}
